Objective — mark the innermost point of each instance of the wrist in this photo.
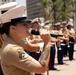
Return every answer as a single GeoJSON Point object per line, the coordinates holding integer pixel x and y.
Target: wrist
{"type": "Point", "coordinates": [47, 44]}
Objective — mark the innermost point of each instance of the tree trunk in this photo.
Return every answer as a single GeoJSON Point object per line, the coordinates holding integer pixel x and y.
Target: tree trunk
{"type": "Point", "coordinates": [75, 15]}
{"type": "Point", "coordinates": [54, 9]}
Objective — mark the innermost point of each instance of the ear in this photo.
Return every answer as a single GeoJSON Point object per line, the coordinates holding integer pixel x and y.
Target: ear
{"type": "Point", "coordinates": [12, 27]}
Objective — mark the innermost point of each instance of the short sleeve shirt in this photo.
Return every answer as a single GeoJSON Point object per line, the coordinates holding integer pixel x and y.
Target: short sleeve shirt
{"type": "Point", "coordinates": [14, 60]}
{"type": "Point", "coordinates": [71, 31]}
{"type": "Point", "coordinates": [59, 32]}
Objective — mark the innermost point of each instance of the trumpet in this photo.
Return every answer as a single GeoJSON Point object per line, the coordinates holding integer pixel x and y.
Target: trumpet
{"type": "Point", "coordinates": [58, 45]}
{"type": "Point", "coordinates": [67, 42]}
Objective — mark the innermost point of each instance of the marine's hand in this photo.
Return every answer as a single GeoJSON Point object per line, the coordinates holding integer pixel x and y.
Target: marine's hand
{"type": "Point", "coordinates": [45, 36]}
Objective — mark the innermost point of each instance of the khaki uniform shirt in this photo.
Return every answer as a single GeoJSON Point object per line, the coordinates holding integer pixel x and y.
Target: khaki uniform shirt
{"type": "Point", "coordinates": [59, 32]}
{"type": "Point", "coordinates": [64, 31]}
{"type": "Point", "coordinates": [14, 60]}
{"type": "Point", "coordinates": [71, 31]}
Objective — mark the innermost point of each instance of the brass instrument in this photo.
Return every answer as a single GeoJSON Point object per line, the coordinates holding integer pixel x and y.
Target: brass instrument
{"type": "Point", "coordinates": [65, 33]}
{"type": "Point", "coordinates": [58, 45]}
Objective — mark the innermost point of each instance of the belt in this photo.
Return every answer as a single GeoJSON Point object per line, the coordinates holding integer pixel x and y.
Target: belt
{"type": "Point", "coordinates": [61, 43]}
{"type": "Point", "coordinates": [71, 42]}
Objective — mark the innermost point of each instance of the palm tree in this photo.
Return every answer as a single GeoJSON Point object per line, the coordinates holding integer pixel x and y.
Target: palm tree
{"type": "Point", "coordinates": [46, 4]}
{"type": "Point", "coordinates": [56, 10]}
{"type": "Point", "coordinates": [74, 2]}
{"type": "Point", "coordinates": [62, 9]}
{"type": "Point", "coordinates": [66, 8]}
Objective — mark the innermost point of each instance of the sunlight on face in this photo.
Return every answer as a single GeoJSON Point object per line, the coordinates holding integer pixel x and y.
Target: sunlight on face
{"type": "Point", "coordinates": [22, 29]}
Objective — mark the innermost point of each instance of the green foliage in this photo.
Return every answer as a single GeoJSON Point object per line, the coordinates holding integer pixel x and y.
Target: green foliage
{"type": "Point", "coordinates": [53, 0]}
{"type": "Point", "coordinates": [61, 9]}
{"type": "Point", "coordinates": [46, 4]}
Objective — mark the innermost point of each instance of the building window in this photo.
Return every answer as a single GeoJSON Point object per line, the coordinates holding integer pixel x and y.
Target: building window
{"type": "Point", "coordinates": [13, 0]}
{"type": "Point", "coordinates": [4, 0]}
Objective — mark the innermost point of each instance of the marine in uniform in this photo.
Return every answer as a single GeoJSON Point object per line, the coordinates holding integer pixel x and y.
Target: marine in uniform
{"type": "Point", "coordinates": [49, 28]}
{"type": "Point", "coordinates": [71, 40]}
{"type": "Point", "coordinates": [36, 38]}
{"type": "Point", "coordinates": [52, 51]}
{"type": "Point", "coordinates": [14, 60]}
{"type": "Point", "coordinates": [65, 42]}
{"type": "Point", "coordinates": [3, 9]}
{"type": "Point", "coordinates": [60, 45]}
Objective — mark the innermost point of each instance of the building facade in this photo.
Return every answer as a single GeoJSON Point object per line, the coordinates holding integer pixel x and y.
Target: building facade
{"type": "Point", "coordinates": [33, 9]}
{"type": "Point", "coordinates": [19, 2]}
{"type": "Point", "coordinates": [5, 1]}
